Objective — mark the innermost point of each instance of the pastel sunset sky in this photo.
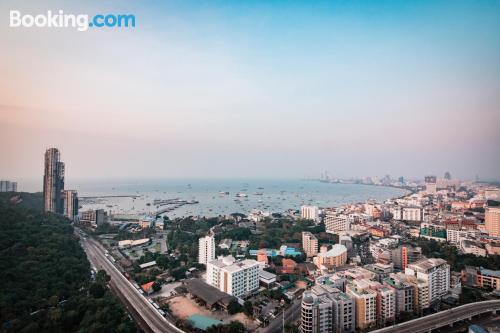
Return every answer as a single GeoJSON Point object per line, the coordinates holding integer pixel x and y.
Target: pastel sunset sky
{"type": "Point", "coordinates": [255, 89]}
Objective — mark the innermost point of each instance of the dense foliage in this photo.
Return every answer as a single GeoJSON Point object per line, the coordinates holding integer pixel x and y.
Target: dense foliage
{"type": "Point", "coordinates": [232, 327]}
{"type": "Point", "coordinates": [46, 284]}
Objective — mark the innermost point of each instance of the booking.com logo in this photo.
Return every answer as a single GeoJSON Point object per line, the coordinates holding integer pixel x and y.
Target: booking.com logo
{"type": "Point", "coordinates": [81, 22]}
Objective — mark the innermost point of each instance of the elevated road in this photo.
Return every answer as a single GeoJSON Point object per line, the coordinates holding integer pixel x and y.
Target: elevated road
{"type": "Point", "coordinates": [442, 318]}
{"type": "Point", "coordinates": [149, 317]}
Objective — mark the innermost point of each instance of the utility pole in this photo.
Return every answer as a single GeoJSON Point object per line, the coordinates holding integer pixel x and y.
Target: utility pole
{"type": "Point", "coordinates": [283, 318]}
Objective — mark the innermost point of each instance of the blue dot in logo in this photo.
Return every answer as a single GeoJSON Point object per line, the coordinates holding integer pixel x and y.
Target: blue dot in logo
{"type": "Point", "coordinates": [91, 24]}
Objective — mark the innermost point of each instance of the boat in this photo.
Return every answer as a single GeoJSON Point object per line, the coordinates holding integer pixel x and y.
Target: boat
{"type": "Point", "coordinates": [241, 195]}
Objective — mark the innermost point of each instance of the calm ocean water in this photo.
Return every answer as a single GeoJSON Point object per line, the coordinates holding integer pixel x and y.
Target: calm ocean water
{"type": "Point", "coordinates": [261, 194]}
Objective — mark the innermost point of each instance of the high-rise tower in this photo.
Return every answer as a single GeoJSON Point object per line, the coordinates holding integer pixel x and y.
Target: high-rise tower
{"type": "Point", "coordinates": [53, 182]}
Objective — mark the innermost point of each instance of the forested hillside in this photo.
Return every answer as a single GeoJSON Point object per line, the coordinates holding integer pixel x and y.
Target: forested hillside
{"type": "Point", "coordinates": [44, 274]}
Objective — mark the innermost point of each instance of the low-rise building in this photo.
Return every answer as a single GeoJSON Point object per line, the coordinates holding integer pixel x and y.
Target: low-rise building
{"type": "Point", "coordinates": [335, 257]}
{"type": "Point", "coordinates": [472, 247]}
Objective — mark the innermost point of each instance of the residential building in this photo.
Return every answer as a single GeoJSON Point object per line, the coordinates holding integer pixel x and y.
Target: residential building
{"type": "Point", "coordinates": [404, 255]}
{"type": "Point", "coordinates": [309, 212]}
{"type": "Point", "coordinates": [70, 198]}
{"type": "Point", "coordinates": [206, 249]}
{"type": "Point", "coordinates": [481, 277]}
{"type": "Point", "coordinates": [8, 186]}
{"type": "Point", "coordinates": [309, 244]}
{"type": "Point", "coordinates": [53, 182]}
{"type": "Point", "coordinates": [405, 293]}
{"type": "Point", "coordinates": [366, 303]}
{"type": "Point", "coordinates": [430, 184]}
{"type": "Point", "coordinates": [386, 304]}
{"type": "Point", "coordinates": [492, 220]}
{"type": "Point", "coordinates": [408, 213]}
{"type": "Point", "coordinates": [236, 278]}
{"type": "Point", "coordinates": [455, 236]}
{"type": "Point", "coordinates": [288, 266]}
{"type": "Point", "coordinates": [336, 256]}
{"type": "Point", "coordinates": [327, 309]}
{"type": "Point", "coordinates": [472, 247]}
{"type": "Point", "coordinates": [436, 272]}
{"type": "Point", "coordinates": [94, 217]}
{"type": "Point", "coordinates": [335, 223]}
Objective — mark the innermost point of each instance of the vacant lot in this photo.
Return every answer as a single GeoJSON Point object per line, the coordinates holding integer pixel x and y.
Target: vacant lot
{"type": "Point", "coordinates": [183, 307]}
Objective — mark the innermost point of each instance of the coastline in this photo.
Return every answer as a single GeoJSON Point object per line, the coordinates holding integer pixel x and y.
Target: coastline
{"type": "Point", "coordinates": [278, 196]}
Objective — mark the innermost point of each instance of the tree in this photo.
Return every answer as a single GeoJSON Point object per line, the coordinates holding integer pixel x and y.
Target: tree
{"type": "Point", "coordinates": [102, 277]}
{"type": "Point", "coordinates": [232, 327]}
{"type": "Point", "coordinates": [97, 290]}
{"type": "Point", "coordinates": [248, 308]}
{"type": "Point", "coordinates": [233, 306]}
{"type": "Point", "coordinates": [46, 284]}
{"type": "Point", "coordinates": [156, 287]}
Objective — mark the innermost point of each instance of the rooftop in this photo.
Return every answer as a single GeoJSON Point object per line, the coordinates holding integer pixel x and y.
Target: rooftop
{"type": "Point", "coordinates": [335, 251]}
{"type": "Point", "coordinates": [207, 293]}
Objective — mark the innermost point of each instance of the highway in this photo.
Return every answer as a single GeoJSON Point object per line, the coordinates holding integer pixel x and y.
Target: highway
{"type": "Point", "coordinates": [152, 321]}
{"type": "Point", "coordinates": [442, 318]}
{"type": "Point", "coordinates": [149, 318]}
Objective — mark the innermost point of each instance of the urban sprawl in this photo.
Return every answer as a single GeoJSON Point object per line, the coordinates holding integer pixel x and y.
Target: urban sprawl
{"type": "Point", "coordinates": [359, 267]}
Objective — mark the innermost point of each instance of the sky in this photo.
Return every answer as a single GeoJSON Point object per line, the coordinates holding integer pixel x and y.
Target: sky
{"type": "Point", "coordinates": [255, 89]}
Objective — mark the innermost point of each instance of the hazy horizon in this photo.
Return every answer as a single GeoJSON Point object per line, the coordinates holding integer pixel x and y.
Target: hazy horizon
{"type": "Point", "coordinates": [229, 89]}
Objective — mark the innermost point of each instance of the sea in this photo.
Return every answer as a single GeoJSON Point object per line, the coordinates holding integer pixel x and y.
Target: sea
{"type": "Point", "coordinates": [214, 197]}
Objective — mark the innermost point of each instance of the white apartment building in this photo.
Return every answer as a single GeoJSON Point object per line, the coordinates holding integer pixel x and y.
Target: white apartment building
{"type": "Point", "coordinates": [337, 223]}
{"type": "Point", "coordinates": [309, 212]}
{"type": "Point", "coordinates": [408, 213]}
{"type": "Point", "coordinates": [436, 272]}
{"type": "Point", "coordinates": [206, 249]}
{"type": "Point", "coordinates": [309, 244]}
{"type": "Point", "coordinates": [235, 278]}
{"type": "Point", "coordinates": [455, 236]}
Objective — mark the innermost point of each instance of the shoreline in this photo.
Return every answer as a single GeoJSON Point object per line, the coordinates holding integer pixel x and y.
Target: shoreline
{"type": "Point", "coordinates": [274, 202]}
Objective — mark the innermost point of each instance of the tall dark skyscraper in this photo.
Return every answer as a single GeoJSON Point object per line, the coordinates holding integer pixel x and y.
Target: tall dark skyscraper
{"type": "Point", "coordinates": [53, 182]}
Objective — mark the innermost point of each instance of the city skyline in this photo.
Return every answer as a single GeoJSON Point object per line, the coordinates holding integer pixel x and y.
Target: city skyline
{"type": "Point", "coordinates": [228, 89]}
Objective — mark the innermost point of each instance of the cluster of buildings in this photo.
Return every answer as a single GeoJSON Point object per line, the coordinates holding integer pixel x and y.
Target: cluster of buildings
{"type": "Point", "coordinates": [233, 277]}
{"type": "Point", "coordinates": [359, 298]}
{"type": "Point", "coordinates": [8, 186]}
{"type": "Point", "coordinates": [375, 274]}
{"type": "Point", "coordinates": [350, 295]}
{"type": "Point", "coordinates": [55, 198]}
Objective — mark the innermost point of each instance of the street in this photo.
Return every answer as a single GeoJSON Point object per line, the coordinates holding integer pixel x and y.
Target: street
{"type": "Point", "coordinates": [129, 295]}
